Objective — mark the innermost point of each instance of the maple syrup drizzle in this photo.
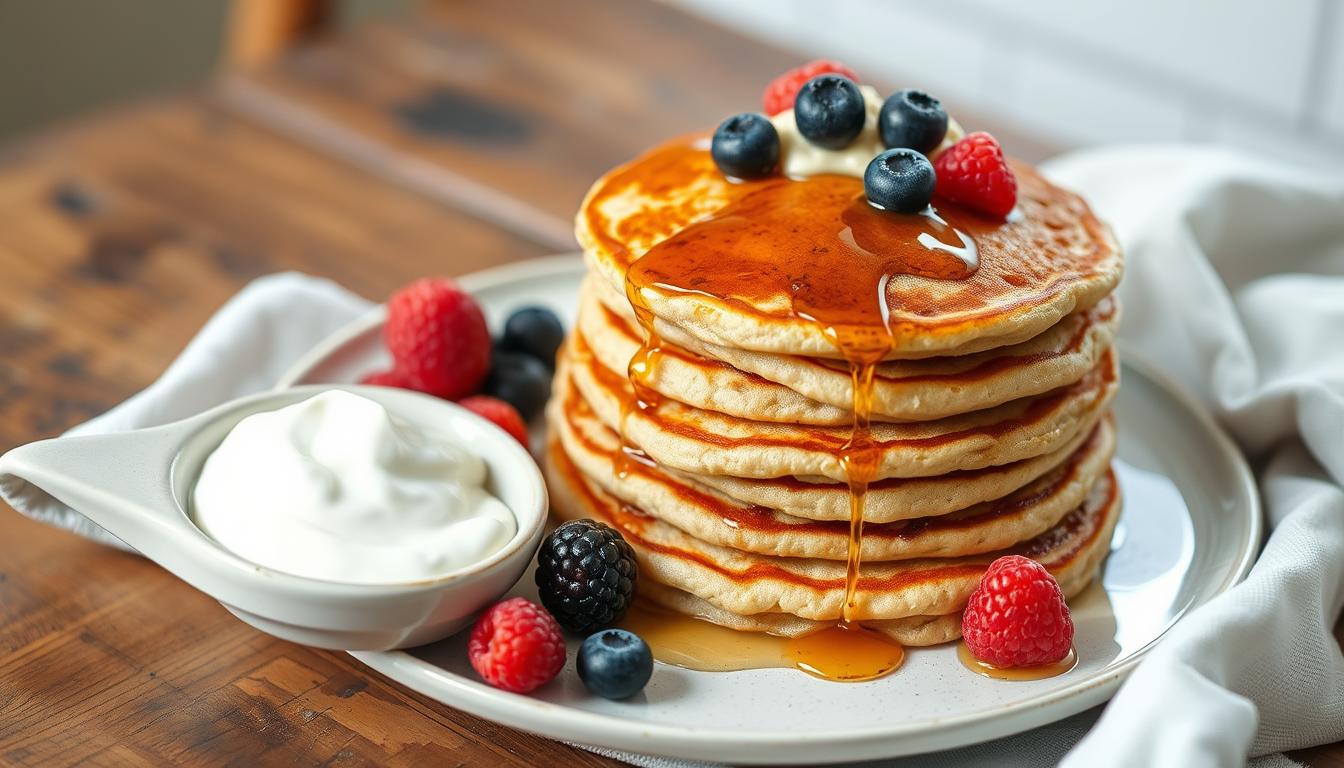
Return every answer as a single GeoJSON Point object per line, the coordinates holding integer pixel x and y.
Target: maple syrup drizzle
{"type": "Point", "coordinates": [1037, 672]}
{"type": "Point", "coordinates": [834, 653]}
{"type": "Point", "coordinates": [817, 247]}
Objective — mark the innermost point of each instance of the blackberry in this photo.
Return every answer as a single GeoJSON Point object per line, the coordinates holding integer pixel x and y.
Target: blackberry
{"type": "Point", "coordinates": [586, 575]}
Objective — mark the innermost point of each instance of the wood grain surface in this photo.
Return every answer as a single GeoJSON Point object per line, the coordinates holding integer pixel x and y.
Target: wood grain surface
{"type": "Point", "coordinates": [459, 139]}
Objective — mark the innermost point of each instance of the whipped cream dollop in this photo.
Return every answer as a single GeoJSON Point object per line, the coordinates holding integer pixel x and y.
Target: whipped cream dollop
{"type": "Point", "coordinates": [799, 158]}
{"type": "Point", "coordinates": [335, 487]}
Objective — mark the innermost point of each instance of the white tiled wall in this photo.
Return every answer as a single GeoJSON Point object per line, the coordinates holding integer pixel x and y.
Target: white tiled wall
{"type": "Point", "coordinates": [1263, 74]}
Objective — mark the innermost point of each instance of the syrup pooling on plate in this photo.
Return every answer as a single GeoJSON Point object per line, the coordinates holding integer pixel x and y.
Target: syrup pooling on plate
{"type": "Point", "coordinates": [1037, 672]}
{"type": "Point", "coordinates": [816, 250]}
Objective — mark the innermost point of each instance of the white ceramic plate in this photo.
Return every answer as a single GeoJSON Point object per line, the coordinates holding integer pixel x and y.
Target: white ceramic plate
{"type": "Point", "coordinates": [1189, 531]}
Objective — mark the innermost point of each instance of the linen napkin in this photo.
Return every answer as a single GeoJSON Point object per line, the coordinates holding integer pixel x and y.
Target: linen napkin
{"type": "Point", "coordinates": [1235, 287]}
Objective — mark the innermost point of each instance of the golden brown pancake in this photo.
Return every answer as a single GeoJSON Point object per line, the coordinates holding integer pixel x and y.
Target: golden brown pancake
{"type": "Point", "coordinates": [748, 584]}
{"type": "Point", "coordinates": [718, 519]}
{"type": "Point", "coordinates": [766, 259]}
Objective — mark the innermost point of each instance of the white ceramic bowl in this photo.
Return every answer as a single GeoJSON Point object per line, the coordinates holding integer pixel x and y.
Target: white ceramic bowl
{"type": "Point", "coordinates": [138, 485]}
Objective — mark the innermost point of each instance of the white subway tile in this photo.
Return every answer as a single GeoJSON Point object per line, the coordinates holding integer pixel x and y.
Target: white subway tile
{"type": "Point", "coordinates": [1078, 105]}
{"type": "Point", "coordinates": [1254, 51]}
{"type": "Point", "coordinates": [1332, 63]}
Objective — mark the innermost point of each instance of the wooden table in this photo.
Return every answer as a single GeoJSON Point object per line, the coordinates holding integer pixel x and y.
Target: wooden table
{"type": "Point", "coordinates": [459, 139]}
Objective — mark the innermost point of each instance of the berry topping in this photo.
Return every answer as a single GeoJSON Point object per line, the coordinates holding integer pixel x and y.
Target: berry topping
{"type": "Point", "coordinates": [499, 413]}
{"type": "Point", "coordinates": [912, 119]}
{"type": "Point", "coordinates": [586, 575]}
{"type": "Point", "coordinates": [520, 380]}
{"type": "Point", "coordinates": [781, 92]}
{"type": "Point", "coordinates": [384, 379]}
{"type": "Point", "coordinates": [900, 180]}
{"type": "Point", "coordinates": [973, 172]}
{"type": "Point", "coordinates": [1017, 616]}
{"type": "Point", "coordinates": [516, 645]}
{"type": "Point", "coordinates": [614, 663]}
{"type": "Point", "coordinates": [438, 338]}
{"type": "Point", "coordinates": [746, 146]}
{"type": "Point", "coordinates": [534, 331]}
{"type": "Point", "coordinates": [829, 111]}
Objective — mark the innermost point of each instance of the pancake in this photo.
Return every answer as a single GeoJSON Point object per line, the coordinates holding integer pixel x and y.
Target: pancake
{"type": "Point", "coordinates": [748, 584]}
{"type": "Point", "coordinates": [693, 440]}
{"type": "Point", "coordinates": [717, 519]}
{"type": "Point", "coordinates": [912, 631]}
{"type": "Point", "coordinates": [817, 391]}
{"type": "Point", "coordinates": [763, 278]}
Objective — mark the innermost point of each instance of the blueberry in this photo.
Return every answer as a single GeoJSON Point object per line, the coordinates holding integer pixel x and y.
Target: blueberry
{"type": "Point", "coordinates": [614, 663]}
{"type": "Point", "coordinates": [745, 146]}
{"type": "Point", "coordinates": [520, 380]}
{"type": "Point", "coordinates": [900, 180]}
{"type": "Point", "coordinates": [534, 331]}
{"type": "Point", "coordinates": [912, 119]}
{"type": "Point", "coordinates": [829, 111]}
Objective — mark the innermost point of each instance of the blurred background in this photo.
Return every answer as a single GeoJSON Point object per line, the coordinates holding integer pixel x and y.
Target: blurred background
{"type": "Point", "coordinates": [1268, 76]}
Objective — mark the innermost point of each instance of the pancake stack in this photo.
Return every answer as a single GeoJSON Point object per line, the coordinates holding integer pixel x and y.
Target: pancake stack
{"type": "Point", "coordinates": [711, 401]}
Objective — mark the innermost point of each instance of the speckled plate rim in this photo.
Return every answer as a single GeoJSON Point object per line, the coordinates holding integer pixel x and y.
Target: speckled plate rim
{"type": "Point", "coordinates": [771, 747]}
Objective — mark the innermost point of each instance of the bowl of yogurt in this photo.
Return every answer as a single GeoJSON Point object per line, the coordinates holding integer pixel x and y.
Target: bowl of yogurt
{"type": "Point", "coordinates": [352, 518]}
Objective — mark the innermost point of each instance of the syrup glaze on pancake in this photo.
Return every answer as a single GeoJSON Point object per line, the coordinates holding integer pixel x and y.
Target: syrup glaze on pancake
{"type": "Point", "coordinates": [773, 249]}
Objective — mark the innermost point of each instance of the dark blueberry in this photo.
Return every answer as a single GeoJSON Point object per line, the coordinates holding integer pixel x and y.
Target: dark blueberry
{"type": "Point", "coordinates": [520, 380]}
{"type": "Point", "coordinates": [535, 331]}
{"type": "Point", "coordinates": [900, 180]}
{"type": "Point", "coordinates": [746, 146]}
{"type": "Point", "coordinates": [615, 664]}
{"type": "Point", "coordinates": [586, 575]}
{"type": "Point", "coordinates": [912, 119]}
{"type": "Point", "coordinates": [829, 111]}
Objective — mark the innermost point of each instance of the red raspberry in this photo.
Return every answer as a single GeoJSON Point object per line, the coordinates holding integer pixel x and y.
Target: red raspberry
{"type": "Point", "coordinates": [500, 413]}
{"type": "Point", "coordinates": [1017, 616]}
{"type": "Point", "coordinates": [516, 645]}
{"type": "Point", "coordinates": [384, 379]}
{"type": "Point", "coordinates": [781, 91]}
{"type": "Point", "coordinates": [974, 173]}
{"type": "Point", "coordinates": [438, 338]}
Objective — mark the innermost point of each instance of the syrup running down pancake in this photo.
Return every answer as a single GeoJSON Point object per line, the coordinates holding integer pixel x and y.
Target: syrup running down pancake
{"type": "Point", "coordinates": [818, 420]}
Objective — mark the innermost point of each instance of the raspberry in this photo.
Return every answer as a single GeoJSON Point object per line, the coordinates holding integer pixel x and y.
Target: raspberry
{"type": "Point", "coordinates": [1017, 616]}
{"type": "Point", "coordinates": [498, 412]}
{"type": "Point", "coordinates": [438, 338]}
{"type": "Point", "coordinates": [384, 379]}
{"type": "Point", "coordinates": [974, 173]}
{"type": "Point", "coordinates": [781, 92]}
{"type": "Point", "coordinates": [516, 645]}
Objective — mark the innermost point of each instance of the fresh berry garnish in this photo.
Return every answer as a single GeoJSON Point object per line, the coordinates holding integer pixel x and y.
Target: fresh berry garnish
{"type": "Point", "coordinates": [534, 331]}
{"type": "Point", "coordinates": [973, 172]}
{"type": "Point", "coordinates": [912, 119]}
{"type": "Point", "coordinates": [781, 92]}
{"type": "Point", "coordinates": [829, 111]}
{"type": "Point", "coordinates": [438, 338]}
{"type": "Point", "coordinates": [499, 413]}
{"type": "Point", "coordinates": [520, 380]}
{"type": "Point", "coordinates": [614, 663]}
{"type": "Point", "coordinates": [586, 575]}
{"type": "Point", "coordinates": [516, 645]}
{"type": "Point", "coordinates": [900, 180]}
{"type": "Point", "coordinates": [1017, 617]}
{"type": "Point", "coordinates": [745, 146]}
{"type": "Point", "coordinates": [384, 379]}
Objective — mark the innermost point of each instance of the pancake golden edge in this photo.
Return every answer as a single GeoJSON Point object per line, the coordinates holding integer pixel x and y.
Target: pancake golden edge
{"type": "Point", "coordinates": [801, 390]}
{"type": "Point", "coordinates": [749, 584]}
{"type": "Point", "coordinates": [705, 442]}
{"type": "Point", "coordinates": [712, 517]}
{"type": "Point", "coordinates": [636, 206]}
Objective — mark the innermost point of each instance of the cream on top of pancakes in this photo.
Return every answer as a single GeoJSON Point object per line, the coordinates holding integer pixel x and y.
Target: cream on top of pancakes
{"type": "Point", "coordinates": [799, 157]}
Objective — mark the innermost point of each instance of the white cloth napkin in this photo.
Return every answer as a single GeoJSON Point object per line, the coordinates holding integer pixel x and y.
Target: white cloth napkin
{"type": "Point", "coordinates": [1235, 286]}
